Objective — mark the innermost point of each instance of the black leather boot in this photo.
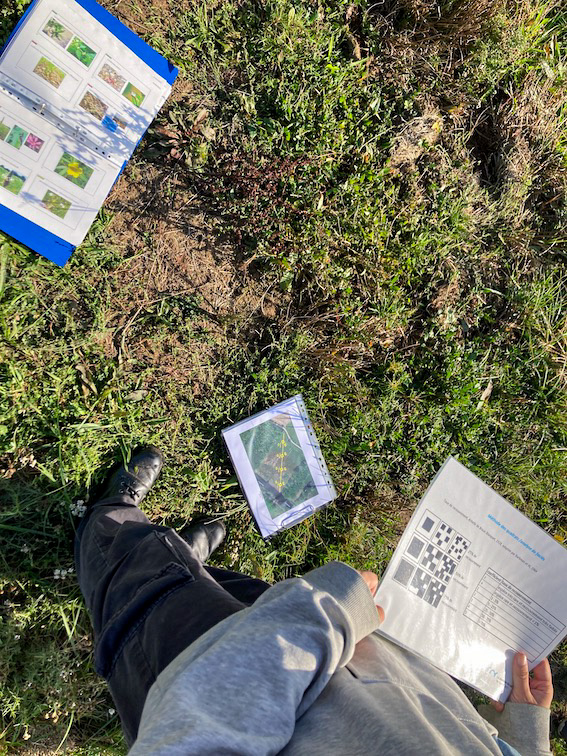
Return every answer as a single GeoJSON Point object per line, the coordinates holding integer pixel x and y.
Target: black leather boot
{"type": "Point", "coordinates": [130, 484]}
{"type": "Point", "coordinates": [204, 537]}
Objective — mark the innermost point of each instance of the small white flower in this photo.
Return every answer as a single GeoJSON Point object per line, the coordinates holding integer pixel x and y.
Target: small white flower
{"type": "Point", "coordinates": [16, 637]}
{"type": "Point", "coordinates": [78, 508]}
{"type": "Point", "coordinates": [63, 572]}
{"type": "Point", "coordinates": [111, 712]}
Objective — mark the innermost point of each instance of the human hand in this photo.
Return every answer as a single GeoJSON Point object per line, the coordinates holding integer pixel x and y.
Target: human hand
{"type": "Point", "coordinates": [536, 690]}
{"type": "Point", "coordinates": [371, 580]}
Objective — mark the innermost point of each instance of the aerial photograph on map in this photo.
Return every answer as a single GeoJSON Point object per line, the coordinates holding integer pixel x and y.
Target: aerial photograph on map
{"type": "Point", "coordinates": [279, 464]}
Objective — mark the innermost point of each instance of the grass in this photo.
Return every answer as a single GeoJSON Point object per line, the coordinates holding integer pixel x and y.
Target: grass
{"type": "Point", "coordinates": [363, 204]}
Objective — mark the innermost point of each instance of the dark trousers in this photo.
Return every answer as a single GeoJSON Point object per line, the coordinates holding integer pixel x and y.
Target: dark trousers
{"type": "Point", "coordinates": [149, 598]}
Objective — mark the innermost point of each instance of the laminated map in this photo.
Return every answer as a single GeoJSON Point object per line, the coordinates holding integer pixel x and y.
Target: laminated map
{"type": "Point", "coordinates": [280, 466]}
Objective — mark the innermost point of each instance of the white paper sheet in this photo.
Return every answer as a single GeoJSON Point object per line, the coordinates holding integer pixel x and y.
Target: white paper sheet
{"type": "Point", "coordinates": [111, 98]}
{"type": "Point", "coordinates": [472, 582]}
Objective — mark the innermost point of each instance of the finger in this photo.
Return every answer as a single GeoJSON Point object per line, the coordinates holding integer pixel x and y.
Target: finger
{"type": "Point", "coordinates": [372, 581]}
{"type": "Point", "coordinates": [497, 705]}
{"type": "Point", "coordinates": [381, 613]}
{"type": "Point", "coordinates": [542, 684]}
{"type": "Point", "coordinates": [542, 672]}
{"type": "Point", "coordinates": [521, 678]}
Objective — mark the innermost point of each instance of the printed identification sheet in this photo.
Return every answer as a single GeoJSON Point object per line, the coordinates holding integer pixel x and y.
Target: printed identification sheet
{"type": "Point", "coordinates": [47, 175]}
{"type": "Point", "coordinates": [472, 582]}
{"type": "Point", "coordinates": [74, 102]}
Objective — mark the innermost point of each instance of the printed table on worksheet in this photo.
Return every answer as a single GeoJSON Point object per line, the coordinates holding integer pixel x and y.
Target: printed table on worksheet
{"type": "Point", "coordinates": [508, 614]}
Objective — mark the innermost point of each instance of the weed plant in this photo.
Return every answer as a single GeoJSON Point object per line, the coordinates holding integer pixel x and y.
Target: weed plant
{"type": "Point", "coordinates": [391, 177]}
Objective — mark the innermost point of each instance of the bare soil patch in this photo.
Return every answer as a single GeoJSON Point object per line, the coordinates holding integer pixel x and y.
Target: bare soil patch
{"type": "Point", "coordinates": [171, 250]}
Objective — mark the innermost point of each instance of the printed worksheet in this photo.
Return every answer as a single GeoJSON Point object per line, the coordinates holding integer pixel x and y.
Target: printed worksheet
{"type": "Point", "coordinates": [72, 68]}
{"type": "Point", "coordinates": [74, 102]}
{"type": "Point", "coordinates": [472, 582]}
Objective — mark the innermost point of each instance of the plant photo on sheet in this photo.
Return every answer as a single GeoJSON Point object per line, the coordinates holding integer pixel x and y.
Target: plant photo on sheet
{"type": "Point", "coordinates": [112, 77]}
{"type": "Point", "coordinates": [81, 51]}
{"type": "Point", "coordinates": [57, 32]}
{"type": "Point", "coordinates": [134, 95]}
{"type": "Point", "coordinates": [364, 203]}
{"type": "Point", "coordinates": [93, 105]}
{"type": "Point", "coordinates": [50, 72]}
{"type": "Point", "coordinates": [16, 137]}
{"type": "Point", "coordinates": [34, 143]}
{"type": "Point", "coordinates": [4, 130]}
{"type": "Point", "coordinates": [11, 180]}
{"type": "Point", "coordinates": [56, 204]}
{"type": "Point", "coordinates": [74, 170]}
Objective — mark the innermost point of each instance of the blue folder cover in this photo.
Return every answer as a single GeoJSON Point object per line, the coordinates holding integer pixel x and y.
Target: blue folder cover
{"type": "Point", "coordinates": [25, 231]}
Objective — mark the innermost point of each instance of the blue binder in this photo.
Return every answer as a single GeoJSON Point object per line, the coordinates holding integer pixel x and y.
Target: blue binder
{"type": "Point", "coordinates": [25, 231]}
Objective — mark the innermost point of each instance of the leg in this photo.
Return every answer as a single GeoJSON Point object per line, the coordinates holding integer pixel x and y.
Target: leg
{"type": "Point", "coordinates": [149, 599]}
{"type": "Point", "coordinates": [242, 587]}
{"type": "Point", "coordinates": [204, 536]}
{"type": "Point", "coordinates": [148, 594]}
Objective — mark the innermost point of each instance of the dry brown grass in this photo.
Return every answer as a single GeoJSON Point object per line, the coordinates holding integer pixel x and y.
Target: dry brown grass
{"type": "Point", "coordinates": [170, 250]}
{"type": "Point", "coordinates": [450, 23]}
{"type": "Point", "coordinates": [415, 138]}
{"type": "Point", "coordinates": [417, 30]}
{"type": "Point", "coordinates": [533, 171]}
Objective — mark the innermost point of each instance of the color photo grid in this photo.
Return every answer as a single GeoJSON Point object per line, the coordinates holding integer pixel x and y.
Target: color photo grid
{"type": "Point", "coordinates": [431, 558]}
{"type": "Point", "coordinates": [68, 167]}
{"type": "Point", "coordinates": [18, 136]}
{"type": "Point", "coordinates": [81, 51]}
{"type": "Point", "coordinates": [68, 41]}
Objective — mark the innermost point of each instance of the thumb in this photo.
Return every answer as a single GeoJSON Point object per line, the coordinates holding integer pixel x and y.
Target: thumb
{"type": "Point", "coordinates": [371, 580]}
{"type": "Point", "coordinates": [521, 679]}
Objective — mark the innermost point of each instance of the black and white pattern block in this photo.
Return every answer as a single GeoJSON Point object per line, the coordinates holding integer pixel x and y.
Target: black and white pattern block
{"type": "Point", "coordinates": [435, 591]}
{"type": "Point", "coordinates": [416, 547]}
{"type": "Point", "coordinates": [446, 568]}
{"type": "Point", "coordinates": [428, 524]}
{"type": "Point", "coordinates": [404, 572]}
{"type": "Point", "coordinates": [419, 583]}
{"type": "Point", "coordinates": [437, 549]}
{"type": "Point", "coordinates": [430, 558]}
{"type": "Point", "coordinates": [458, 548]}
{"type": "Point", "coordinates": [443, 535]}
